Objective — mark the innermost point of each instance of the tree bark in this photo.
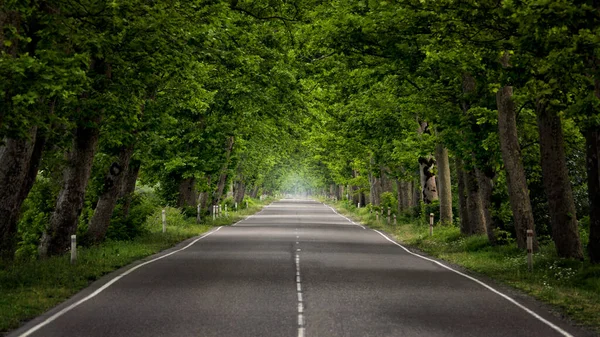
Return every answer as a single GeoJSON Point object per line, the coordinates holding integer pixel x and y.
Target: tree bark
{"type": "Point", "coordinates": [557, 185]}
{"type": "Point", "coordinates": [445, 185]}
{"type": "Point", "coordinates": [63, 222]}
{"type": "Point", "coordinates": [518, 192]}
{"type": "Point", "coordinates": [374, 190]}
{"type": "Point", "coordinates": [254, 192]}
{"type": "Point", "coordinates": [205, 196]}
{"type": "Point", "coordinates": [128, 190]}
{"type": "Point", "coordinates": [15, 158]}
{"type": "Point", "coordinates": [400, 196]}
{"type": "Point", "coordinates": [486, 187]}
{"type": "Point", "coordinates": [187, 193]}
{"type": "Point", "coordinates": [465, 226]}
{"type": "Point", "coordinates": [428, 184]}
{"type": "Point", "coordinates": [113, 186]}
{"type": "Point", "coordinates": [592, 142]}
{"type": "Point", "coordinates": [239, 190]}
{"type": "Point", "coordinates": [474, 204]}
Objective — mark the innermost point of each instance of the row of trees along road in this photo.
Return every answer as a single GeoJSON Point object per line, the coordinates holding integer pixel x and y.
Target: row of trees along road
{"type": "Point", "coordinates": [484, 110]}
{"type": "Point", "coordinates": [189, 96]}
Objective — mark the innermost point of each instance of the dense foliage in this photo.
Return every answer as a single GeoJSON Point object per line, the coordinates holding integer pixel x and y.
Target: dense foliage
{"type": "Point", "coordinates": [484, 111]}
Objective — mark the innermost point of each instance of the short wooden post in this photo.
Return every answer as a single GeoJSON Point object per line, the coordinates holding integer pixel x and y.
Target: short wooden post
{"type": "Point", "coordinates": [164, 220]}
{"type": "Point", "coordinates": [377, 215]}
{"type": "Point", "coordinates": [530, 249]}
{"type": "Point", "coordinates": [198, 210]}
{"type": "Point", "coordinates": [430, 224]}
{"type": "Point", "coordinates": [73, 249]}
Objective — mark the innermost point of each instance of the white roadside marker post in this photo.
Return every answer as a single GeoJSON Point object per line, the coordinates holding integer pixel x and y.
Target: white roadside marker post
{"type": "Point", "coordinates": [219, 212]}
{"type": "Point", "coordinates": [530, 249]}
{"type": "Point", "coordinates": [395, 220]}
{"type": "Point", "coordinates": [377, 216]}
{"type": "Point", "coordinates": [214, 211]}
{"type": "Point", "coordinates": [430, 224]}
{"type": "Point", "coordinates": [358, 205]}
{"type": "Point", "coordinates": [225, 209]}
{"type": "Point", "coordinates": [236, 207]}
{"type": "Point", "coordinates": [198, 213]}
{"type": "Point", "coordinates": [73, 249]}
{"type": "Point", "coordinates": [164, 220]}
{"type": "Point", "coordinates": [246, 204]}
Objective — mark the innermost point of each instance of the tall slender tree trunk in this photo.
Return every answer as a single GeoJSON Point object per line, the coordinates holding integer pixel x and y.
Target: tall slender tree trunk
{"type": "Point", "coordinates": [15, 158]}
{"type": "Point", "coordinates": [63, 222]}
{"type": "Point", "coordinates": [518, 193]}
{"type": "Point", "coordinates": [592, 142]}
{"type": "Point", "coordinates": [205, 196]}
{"type": "Point", "coordinates": [557, 185]}
{"type": "Point", "coordinates": [128, 190]}
{"type": "Point", "coordinates": [374, 190]}
{"type": "Point", "coordinates": [486, 187]}
{"type": "Point", "coordinates": [474, 205]}
{"type": "Point", "coordinates": [445, 185]}
{"type": "Point", "coordinates": [400, 196]}
{"type": "Point", "coordinates": [240, 191]}
{"type": "Point", "coordinates": [254, 193]}
{"type": "Point", "coordinates": [223, 175]}
{"type": "Point", "coordinates": [113, 186]}
{"type": "Point", "coordinates": [465, 227]}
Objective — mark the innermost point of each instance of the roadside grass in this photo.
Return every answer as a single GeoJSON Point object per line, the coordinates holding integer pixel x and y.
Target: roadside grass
{"type": "Point", "coordinates": [570, 286]}
{"type": "Point", "coordinates": [30, 288]}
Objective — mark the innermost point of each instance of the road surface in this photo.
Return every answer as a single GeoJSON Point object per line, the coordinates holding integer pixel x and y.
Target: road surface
{"type": "Point", "coordinates": [297, 268]}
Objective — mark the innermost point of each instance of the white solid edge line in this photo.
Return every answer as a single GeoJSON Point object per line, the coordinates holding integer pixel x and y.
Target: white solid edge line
{"type": "Point", "coordinates": [352, 222]}
{"type": "Point", "coordinates": [506, 297]}
{"type": "Point", "coordinates": [105, 286]}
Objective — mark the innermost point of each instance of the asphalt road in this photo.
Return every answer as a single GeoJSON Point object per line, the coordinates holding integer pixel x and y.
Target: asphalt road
{"type": "Point", "coordinates": [295, 269]}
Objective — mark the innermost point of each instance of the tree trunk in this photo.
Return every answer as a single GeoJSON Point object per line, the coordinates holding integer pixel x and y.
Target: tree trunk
{"type": "Point", "coordinates": [415, 194]}
{"type": "Point", "coordinates": [465, 226]}
{"type": "Point", "coordinates": [445, 185]}
{"type": "Point", "coordinates": [187, 193]}
{"type": "Point", "coordinates": [400, 196]}
{"type": "Point", "coordinates": [474, 205]}
{"type": "Point", "coordinates": [205, 196]}
{"type": "Point", "coordinates": [428, 184]}
{"type": "Point", "coordinates": [15, 159]}
{"type": "Point", "coordinates": [63, 222]}
{"type": "Point", "coordinates": [128, 190]}
{"type": "Point", "coordinates": [374, 190]}
{"type": "Point", "coordinates": [592, 142]}
{"type": "Point", "coordinates": [239, 190]}
{"type": "Point", "coordinates": [486, 187]}
{"type": "Point", "coordinates": [518, 192]}
{"type": "Point", "coordinates": [254, 192]}
{"type": "Point", "coordinates": [557, 185]}
{"type": "Point", "coordinates": [113, 187]}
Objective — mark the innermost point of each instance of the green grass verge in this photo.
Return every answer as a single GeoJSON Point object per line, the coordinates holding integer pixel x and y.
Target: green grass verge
{"type": "Point", "coordinates": [28, 289]}
{"type": "Point", "coordinates": [572, 287]}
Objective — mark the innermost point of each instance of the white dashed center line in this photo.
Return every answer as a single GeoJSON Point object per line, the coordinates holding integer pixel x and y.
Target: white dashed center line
{"type": "Point", "coordinates": [301, 322]}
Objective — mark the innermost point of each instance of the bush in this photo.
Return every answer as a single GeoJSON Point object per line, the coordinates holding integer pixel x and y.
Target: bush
{"type": "Point", "coordinates": [142, 206]}
{"type": "Point", "coordinates": [388, 200]}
